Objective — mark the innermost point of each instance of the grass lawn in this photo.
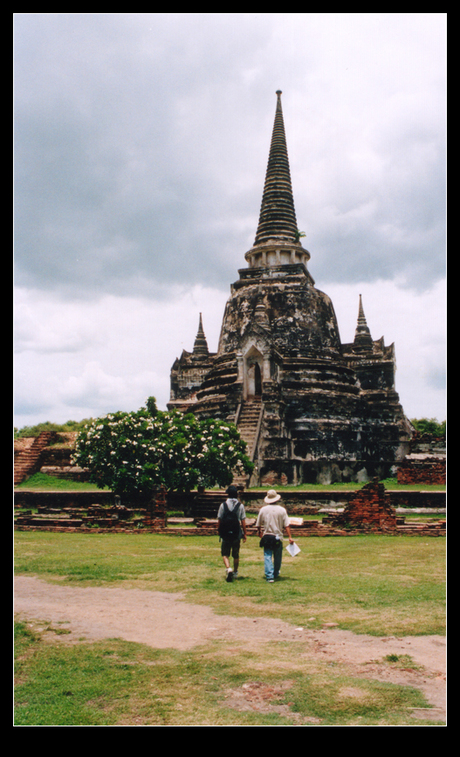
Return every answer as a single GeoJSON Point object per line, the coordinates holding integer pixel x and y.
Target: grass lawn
{"type": "Point", "coordinates": [378, 585]}
{"type": "Point", "coordinates": [44, 482]}
{"type": "Point", "coordinates": [368, 584]}
{"type": "Point", "coordinates": [120, 683]}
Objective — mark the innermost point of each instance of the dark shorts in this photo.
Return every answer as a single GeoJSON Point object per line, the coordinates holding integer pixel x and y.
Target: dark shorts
{"type": "Point", "coordinates": [230, 547]}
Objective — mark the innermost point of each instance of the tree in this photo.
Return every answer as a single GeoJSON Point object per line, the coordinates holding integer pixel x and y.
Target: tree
{"type": "Point", "coordinates": [28, 431]}
{"type": "Point", "coordinates": [430, 426]}
{"type": "Point", "coordinates": [132, 452]}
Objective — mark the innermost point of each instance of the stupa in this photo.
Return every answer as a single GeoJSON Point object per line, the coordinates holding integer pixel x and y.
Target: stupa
{"type": "Point", "coordinates": [310, 408]}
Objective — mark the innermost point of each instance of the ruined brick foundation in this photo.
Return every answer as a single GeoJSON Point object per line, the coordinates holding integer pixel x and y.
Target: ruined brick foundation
{"type": "Point", "coordinates": [422, 469]}
{"type": "Point", "coordinates": [369, 510]}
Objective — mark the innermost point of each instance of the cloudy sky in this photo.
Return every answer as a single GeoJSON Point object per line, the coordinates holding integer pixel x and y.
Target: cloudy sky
{"type": "Point", "coordinates": [141, 142]}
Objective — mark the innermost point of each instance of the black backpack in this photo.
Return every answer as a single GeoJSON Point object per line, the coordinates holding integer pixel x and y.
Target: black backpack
{"type": "Point", "coordinates": [229, 523]}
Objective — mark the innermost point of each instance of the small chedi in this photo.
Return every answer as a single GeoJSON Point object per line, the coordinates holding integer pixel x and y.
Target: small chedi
{"type": "Point", "coordinates": [311, 409]}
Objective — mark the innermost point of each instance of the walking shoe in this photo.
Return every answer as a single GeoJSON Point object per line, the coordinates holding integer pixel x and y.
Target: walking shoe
{"type": "Point", "coordinates": [229, 576]}
{"type": "Point", "coordinates": [235, 574]}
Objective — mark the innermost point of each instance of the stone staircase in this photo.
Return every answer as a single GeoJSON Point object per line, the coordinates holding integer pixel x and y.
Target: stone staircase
{"type": "Point", "coordinates": [248, 424]}
{"type": "Point", "coordinates": [27, 461]}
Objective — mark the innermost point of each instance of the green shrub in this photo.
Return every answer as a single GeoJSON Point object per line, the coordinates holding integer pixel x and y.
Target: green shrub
{"type": "Point", "coordinates": [69, 426]}
{"type": "Point", "coordinates": [132, 452]}
{"type": "Point", "coordinates": [429, 426]}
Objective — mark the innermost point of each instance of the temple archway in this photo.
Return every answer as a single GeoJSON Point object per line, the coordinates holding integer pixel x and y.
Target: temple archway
{"type": "Point", "coordinates": [253, 374]}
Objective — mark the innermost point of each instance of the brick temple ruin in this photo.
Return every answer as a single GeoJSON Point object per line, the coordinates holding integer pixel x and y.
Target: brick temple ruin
{"type": "Point", "coordinates": [311, 409]}
{"type": "Point", "coordinates": [370, 510]}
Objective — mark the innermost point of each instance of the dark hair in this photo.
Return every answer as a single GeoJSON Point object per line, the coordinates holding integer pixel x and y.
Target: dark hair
{"type": "Point", "coordinates": [232, 492]}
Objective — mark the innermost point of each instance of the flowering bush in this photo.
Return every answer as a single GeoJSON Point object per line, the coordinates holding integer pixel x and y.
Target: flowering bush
{"type": "Point", "coordinates": [132, 452]}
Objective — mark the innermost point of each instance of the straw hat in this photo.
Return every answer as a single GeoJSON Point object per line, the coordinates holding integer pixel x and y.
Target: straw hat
{"type": "Point", "coordinates": [272, 497]}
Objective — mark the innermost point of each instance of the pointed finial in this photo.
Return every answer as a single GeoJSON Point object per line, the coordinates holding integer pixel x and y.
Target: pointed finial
{"type": "Point", "coordinates": [201, 346]}
{"type": "Point", "coordinates": [363, 338]}
{"type": "Point", "coordinates": [277, 219]}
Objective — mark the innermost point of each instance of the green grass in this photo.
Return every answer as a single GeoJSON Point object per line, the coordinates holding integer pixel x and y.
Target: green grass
{"type": "Point", "coordinates": [41, 481]}
{"type": "Point", "coordinates": [378, 585]}
{"type": "Point", "coordinates": [389, 483]}
{"type": "Point", "coordinates": [121, 683]}
{"type": "Point", "coordinates": [372, 584]}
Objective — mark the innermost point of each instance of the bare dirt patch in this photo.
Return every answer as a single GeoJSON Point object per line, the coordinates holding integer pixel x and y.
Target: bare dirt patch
{"type": "Point", "coordinates": [258, 697]}
{"type": "Point", "coordinates": [164, 620]}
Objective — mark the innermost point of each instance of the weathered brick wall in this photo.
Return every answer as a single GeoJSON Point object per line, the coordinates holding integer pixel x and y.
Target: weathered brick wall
{"type": "Point", "coordinates": [422, 470]}
{"type": "Point", "coordinates": [156, 510]}
{"type": "Point", "coordinates": [369, 509]}
{"type": "Point", "coordinates": [297, 503]}
{"type": "Point", "coordinates": [24, 498]}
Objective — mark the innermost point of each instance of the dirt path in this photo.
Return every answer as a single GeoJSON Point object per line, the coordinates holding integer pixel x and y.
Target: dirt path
{"type": "Point", "coordinates": [163, 620]}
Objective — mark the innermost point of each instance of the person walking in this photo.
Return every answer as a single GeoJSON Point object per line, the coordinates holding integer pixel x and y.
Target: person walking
{"type": "Point", "coordinates": [271, 522]}
{"type": "Point", "coordinates": [232, 528]}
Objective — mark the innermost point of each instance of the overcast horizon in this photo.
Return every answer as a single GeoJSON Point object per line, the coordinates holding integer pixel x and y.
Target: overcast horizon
{"type": "Point", "coordinates": [141, 143]}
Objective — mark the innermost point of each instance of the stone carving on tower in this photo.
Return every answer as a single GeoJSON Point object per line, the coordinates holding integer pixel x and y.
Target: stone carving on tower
{"type": "Point", "coordinates": [310, 408]}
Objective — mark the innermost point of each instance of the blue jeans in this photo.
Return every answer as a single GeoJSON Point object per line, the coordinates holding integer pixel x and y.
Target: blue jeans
{"type": "Point", "coordinates": [272, 562]}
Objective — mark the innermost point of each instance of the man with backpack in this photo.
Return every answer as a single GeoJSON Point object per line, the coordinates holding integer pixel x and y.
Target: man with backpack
{"type": "Point", "coordinates": [232, 528]}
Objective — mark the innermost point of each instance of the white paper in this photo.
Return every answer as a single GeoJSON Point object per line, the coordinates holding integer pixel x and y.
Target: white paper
{"type": "Point", "coordinates": [293, 549]}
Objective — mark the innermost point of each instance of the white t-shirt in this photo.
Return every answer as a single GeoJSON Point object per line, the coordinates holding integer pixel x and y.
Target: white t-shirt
{"type": "Point", "coordinates": [231, 504]}
{"type": "Point", "coordinates": [272, 519]}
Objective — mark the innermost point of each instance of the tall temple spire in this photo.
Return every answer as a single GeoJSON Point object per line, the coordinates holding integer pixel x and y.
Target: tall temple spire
{"type": "Point", "coordinates": [277, 218]}
{"type": "Point", "coordinates": [201, 346]}
{"type": "Point", "coordinates": [363, 338]}
{"type": "Point", "coordinates": [277, 237]}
